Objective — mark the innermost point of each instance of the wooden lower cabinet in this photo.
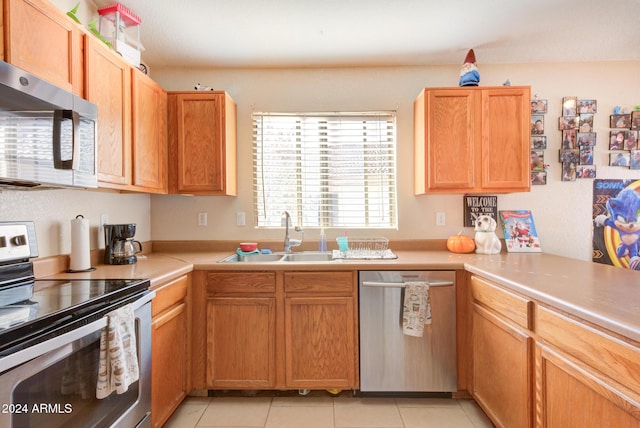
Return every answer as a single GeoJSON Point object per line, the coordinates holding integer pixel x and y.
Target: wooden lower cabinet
{"type": "Point", "coordinates": [279, 330]}
{"type": "Point", "coordinates": [502, 361]}
{"type": "Point", "coordinates": [320, 343]}
{"type": "Point", "coordinates": [240, 330]}
{"type": "Point", "coordinates": [584, 375]}
{"type": "Point", "coordinates": [241, 343]}
{"type": "Point", "coordinates": [534, 365]}
{"type": "Point", "coordinates": [170, 360]}
{"type": "Point", "coordinates": [573, 395]}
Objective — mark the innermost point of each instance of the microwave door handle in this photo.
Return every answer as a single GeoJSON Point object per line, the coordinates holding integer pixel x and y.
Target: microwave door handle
{"type": "Point", "coordinates": [58, 117]}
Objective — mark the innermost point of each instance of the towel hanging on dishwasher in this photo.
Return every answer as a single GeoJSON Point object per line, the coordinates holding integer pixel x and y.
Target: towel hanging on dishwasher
{"type": "Point", "coordinates": [416, 312]}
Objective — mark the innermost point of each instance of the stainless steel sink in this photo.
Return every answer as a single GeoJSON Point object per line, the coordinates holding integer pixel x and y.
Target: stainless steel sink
{"type": "Point", "coordinates": [304, 256]}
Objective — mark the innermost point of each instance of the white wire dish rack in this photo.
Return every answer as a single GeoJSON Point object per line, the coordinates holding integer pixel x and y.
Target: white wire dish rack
{"type": "Point", "coordinates": [366, 248]}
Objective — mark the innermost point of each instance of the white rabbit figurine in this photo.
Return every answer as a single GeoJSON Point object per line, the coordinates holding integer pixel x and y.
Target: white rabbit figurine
{"type": "Point", "coordinates": [487, 241]}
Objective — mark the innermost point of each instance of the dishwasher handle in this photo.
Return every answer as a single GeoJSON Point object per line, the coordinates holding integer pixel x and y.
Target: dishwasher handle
{"type": "Point", "coordinates": [431, 283]}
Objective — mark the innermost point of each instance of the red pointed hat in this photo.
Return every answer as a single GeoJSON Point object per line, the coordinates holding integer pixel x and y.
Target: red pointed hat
{"type": "Point", "coordinates": [470, 58]}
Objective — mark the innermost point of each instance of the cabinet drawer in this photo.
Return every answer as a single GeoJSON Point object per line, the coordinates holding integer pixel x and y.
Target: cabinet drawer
{"type": "Point", "coordinates": [610, 356]}
{"type": "Point", "coordinates": [169, 294]}
{"type": "Point", "coordinates": [241, 282]}
{"type": "Point", "coordinates": [505, 303]}
{"type": "Point", "coordinates": [324, 282]}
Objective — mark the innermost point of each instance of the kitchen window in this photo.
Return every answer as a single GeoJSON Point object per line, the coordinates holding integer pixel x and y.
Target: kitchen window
{"type": "Point", "coordinates": [325, 169]}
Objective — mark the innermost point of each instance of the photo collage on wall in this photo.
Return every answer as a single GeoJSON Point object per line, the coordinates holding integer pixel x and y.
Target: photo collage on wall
{"type": "Point", "coordinates": [624, 139]}
{"type": "Point", "coordinates": [538, 141]}
{"type": "Point", "coordinates": [578, 138]}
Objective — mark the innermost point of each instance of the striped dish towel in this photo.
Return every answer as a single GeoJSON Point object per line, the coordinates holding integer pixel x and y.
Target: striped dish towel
{"type": "Point", "coordinates": [118, 365]}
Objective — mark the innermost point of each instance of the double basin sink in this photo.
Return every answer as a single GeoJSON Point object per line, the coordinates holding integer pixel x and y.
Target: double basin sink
{"type": "Point", "coordinates": [303, 256]}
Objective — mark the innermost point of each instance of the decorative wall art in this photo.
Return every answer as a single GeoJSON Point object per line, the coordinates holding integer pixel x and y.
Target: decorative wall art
{"type": "Point", "coordinates": [624, 138]}
{"type": "Point", "coordinates": [538, 141]}
{"type": "Point", "coordinates": [578, 138]}
{"type": "Point", "coordinates": [615, 207]}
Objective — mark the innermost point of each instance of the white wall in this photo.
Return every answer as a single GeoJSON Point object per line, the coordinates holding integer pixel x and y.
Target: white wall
{"type": "Point", "coordinates": [562, 210]}
{"type": "Point", "coordinates": [53, 210]}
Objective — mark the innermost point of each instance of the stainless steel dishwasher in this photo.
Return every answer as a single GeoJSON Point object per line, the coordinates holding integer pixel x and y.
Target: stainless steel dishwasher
{"type": "Point", "coordinates": [393, 362]}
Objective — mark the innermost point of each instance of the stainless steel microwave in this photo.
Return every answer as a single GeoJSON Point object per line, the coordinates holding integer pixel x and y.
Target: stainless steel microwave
{"type": "Point", "coordinates": [47, 135]}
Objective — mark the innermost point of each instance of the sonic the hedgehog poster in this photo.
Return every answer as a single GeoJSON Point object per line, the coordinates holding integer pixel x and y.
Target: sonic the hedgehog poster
{"type": "Point", "coordinates": [616, 223]}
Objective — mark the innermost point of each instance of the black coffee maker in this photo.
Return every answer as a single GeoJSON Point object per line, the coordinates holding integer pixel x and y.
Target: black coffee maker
{"type": "Point", "coordinates": [119, 245]}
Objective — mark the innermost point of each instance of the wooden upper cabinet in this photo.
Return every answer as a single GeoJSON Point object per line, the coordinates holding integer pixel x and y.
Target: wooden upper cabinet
{"type": "Point", "coordinates": [472, 140]}
{"type": "Point", "coordinates": [41, 39]}
{"type": "Point", "coordinates": [202, 143]}
{"type": "Point", "coordinates": [108, 85]}
{"type": "Point", "coordinates": [149, 107]}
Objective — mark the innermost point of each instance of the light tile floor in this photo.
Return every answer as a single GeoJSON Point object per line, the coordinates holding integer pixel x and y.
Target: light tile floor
{"type": "Point", "coordinates": [343, 411]}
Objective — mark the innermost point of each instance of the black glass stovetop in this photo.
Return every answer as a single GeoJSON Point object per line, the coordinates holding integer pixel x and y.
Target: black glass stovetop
{"type": "Point", "coordinates": [36, 308]}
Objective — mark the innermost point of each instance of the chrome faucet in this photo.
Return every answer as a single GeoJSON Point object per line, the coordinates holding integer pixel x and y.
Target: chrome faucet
{"type": "Point", "coordinates": [288, 242]}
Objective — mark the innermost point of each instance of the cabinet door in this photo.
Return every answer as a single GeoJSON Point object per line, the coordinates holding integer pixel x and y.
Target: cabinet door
{"type": "Point", "coordinates": [149, 108]}
{"type": "Point", "coordinates": [320, 342]}
{"type": "Point", "coordinates": [199, 143]}
{"type": "Point", "coordinates": [449, 139]}
{"type": "Point", "coordinates": [169, 363]}
{"type": "Point", "coordinates": [505, 139]}
{"type": "Point", "coordinates": [42, 40]}
{"type": "Point", "coordinates": [241, 343]}
{"type": "Point", "coordinates": [501, 359]}
{"type": "Point", "coordinates": [570, 394]}
{"type": "Point", "coordinates": [108, 85]}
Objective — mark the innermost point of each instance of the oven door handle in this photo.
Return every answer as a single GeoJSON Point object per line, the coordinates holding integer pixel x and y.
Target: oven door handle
{"type": "Point", "coordinates": [48, 346]}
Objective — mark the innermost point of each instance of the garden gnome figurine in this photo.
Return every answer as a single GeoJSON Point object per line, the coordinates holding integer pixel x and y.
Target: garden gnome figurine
{"type": "Point", "coordinates": [469, 75]}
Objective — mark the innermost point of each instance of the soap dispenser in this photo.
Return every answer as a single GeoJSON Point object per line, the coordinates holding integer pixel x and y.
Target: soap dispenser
{"type": "Point", "coordinates": [322, 244]}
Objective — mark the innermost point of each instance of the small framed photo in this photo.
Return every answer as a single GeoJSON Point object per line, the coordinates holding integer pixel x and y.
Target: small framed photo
{"type": "Point", "coordinates": [537, 124]}
{"type": "Point", "coordinates": [631, 140]}
{"type": "Point", "coordinates": [616, 142]}
{"type": "Point", "coordinates": [538, 178]}
{"type": "Point", "coordinates": [569, 139]}
{"type": "Point", "coordinates": [619, 159]}
{"type": "Point", "coordinates": [634, 159]}
{"type": "Point", "coordinates": [586, 171]}
{"type": "Point", "coordinates": [537, 160]}
{"type": "Point", "coordinates": [635, 120]}
{"type": "Point", "coordinates": [586, 139]}
{"type": "Point", "coordinates": [538, 106]}
{"type": "Point", "coordinates": [569, 156]}
{"type": "Point", "coordinates": [539, 142]}
{"type": "Point", "coordinates": [620, 121]}
{"type": "Point", "coordinates": [586, 155]}
{"type": "Point", "coordinates": [587, 106]}
{"type": "Point", "coordinates": [567, 122]}
{"type": "Point", "coordinates": [569, 106]}
{"type": "Point", "coordinates": [569, 171]}
{"type": "Point", "coordinates": [586, 122]}
{"type": "Point", "coordinates": [623, 140]}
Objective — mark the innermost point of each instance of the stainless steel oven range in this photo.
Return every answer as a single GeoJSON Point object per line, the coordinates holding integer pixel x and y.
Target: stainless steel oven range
{"type": "Point", "coordinates": [50, 337]}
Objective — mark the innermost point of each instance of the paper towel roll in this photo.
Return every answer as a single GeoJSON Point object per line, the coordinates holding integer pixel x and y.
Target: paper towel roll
{"type": "Point", "coordinates": [80, 245]}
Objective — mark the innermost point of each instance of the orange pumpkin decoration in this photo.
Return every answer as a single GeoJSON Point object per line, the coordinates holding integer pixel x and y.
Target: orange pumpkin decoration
{"type": "Point", "coordinates": [461, 243]}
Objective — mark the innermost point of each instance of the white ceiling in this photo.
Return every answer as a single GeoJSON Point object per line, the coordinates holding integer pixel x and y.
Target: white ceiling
{"type": "Point", "coordinates": [325, 33]}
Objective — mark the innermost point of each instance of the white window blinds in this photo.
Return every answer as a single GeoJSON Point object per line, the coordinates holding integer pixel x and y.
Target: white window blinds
{"type": "Point", "coordinates": [325, 169]}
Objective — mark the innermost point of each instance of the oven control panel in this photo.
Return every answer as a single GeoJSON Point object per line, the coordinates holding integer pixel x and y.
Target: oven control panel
{"type": "Point", "coordinates": [14, 242]}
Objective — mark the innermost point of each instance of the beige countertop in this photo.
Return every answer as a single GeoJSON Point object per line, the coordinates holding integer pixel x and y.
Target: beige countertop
{"type": "Point", "coordinates": [605, 295]}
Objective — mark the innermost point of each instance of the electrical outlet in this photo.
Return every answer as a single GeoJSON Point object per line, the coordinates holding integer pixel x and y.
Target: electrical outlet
{"type": "Point", "coordinates": [241, 219]}
{"type": "Point", "coordinates": [202, 219]}
{"type": "Point", "coordinates": [104, 219]}
{"type": "Point", "coordinates": [441, 218]}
